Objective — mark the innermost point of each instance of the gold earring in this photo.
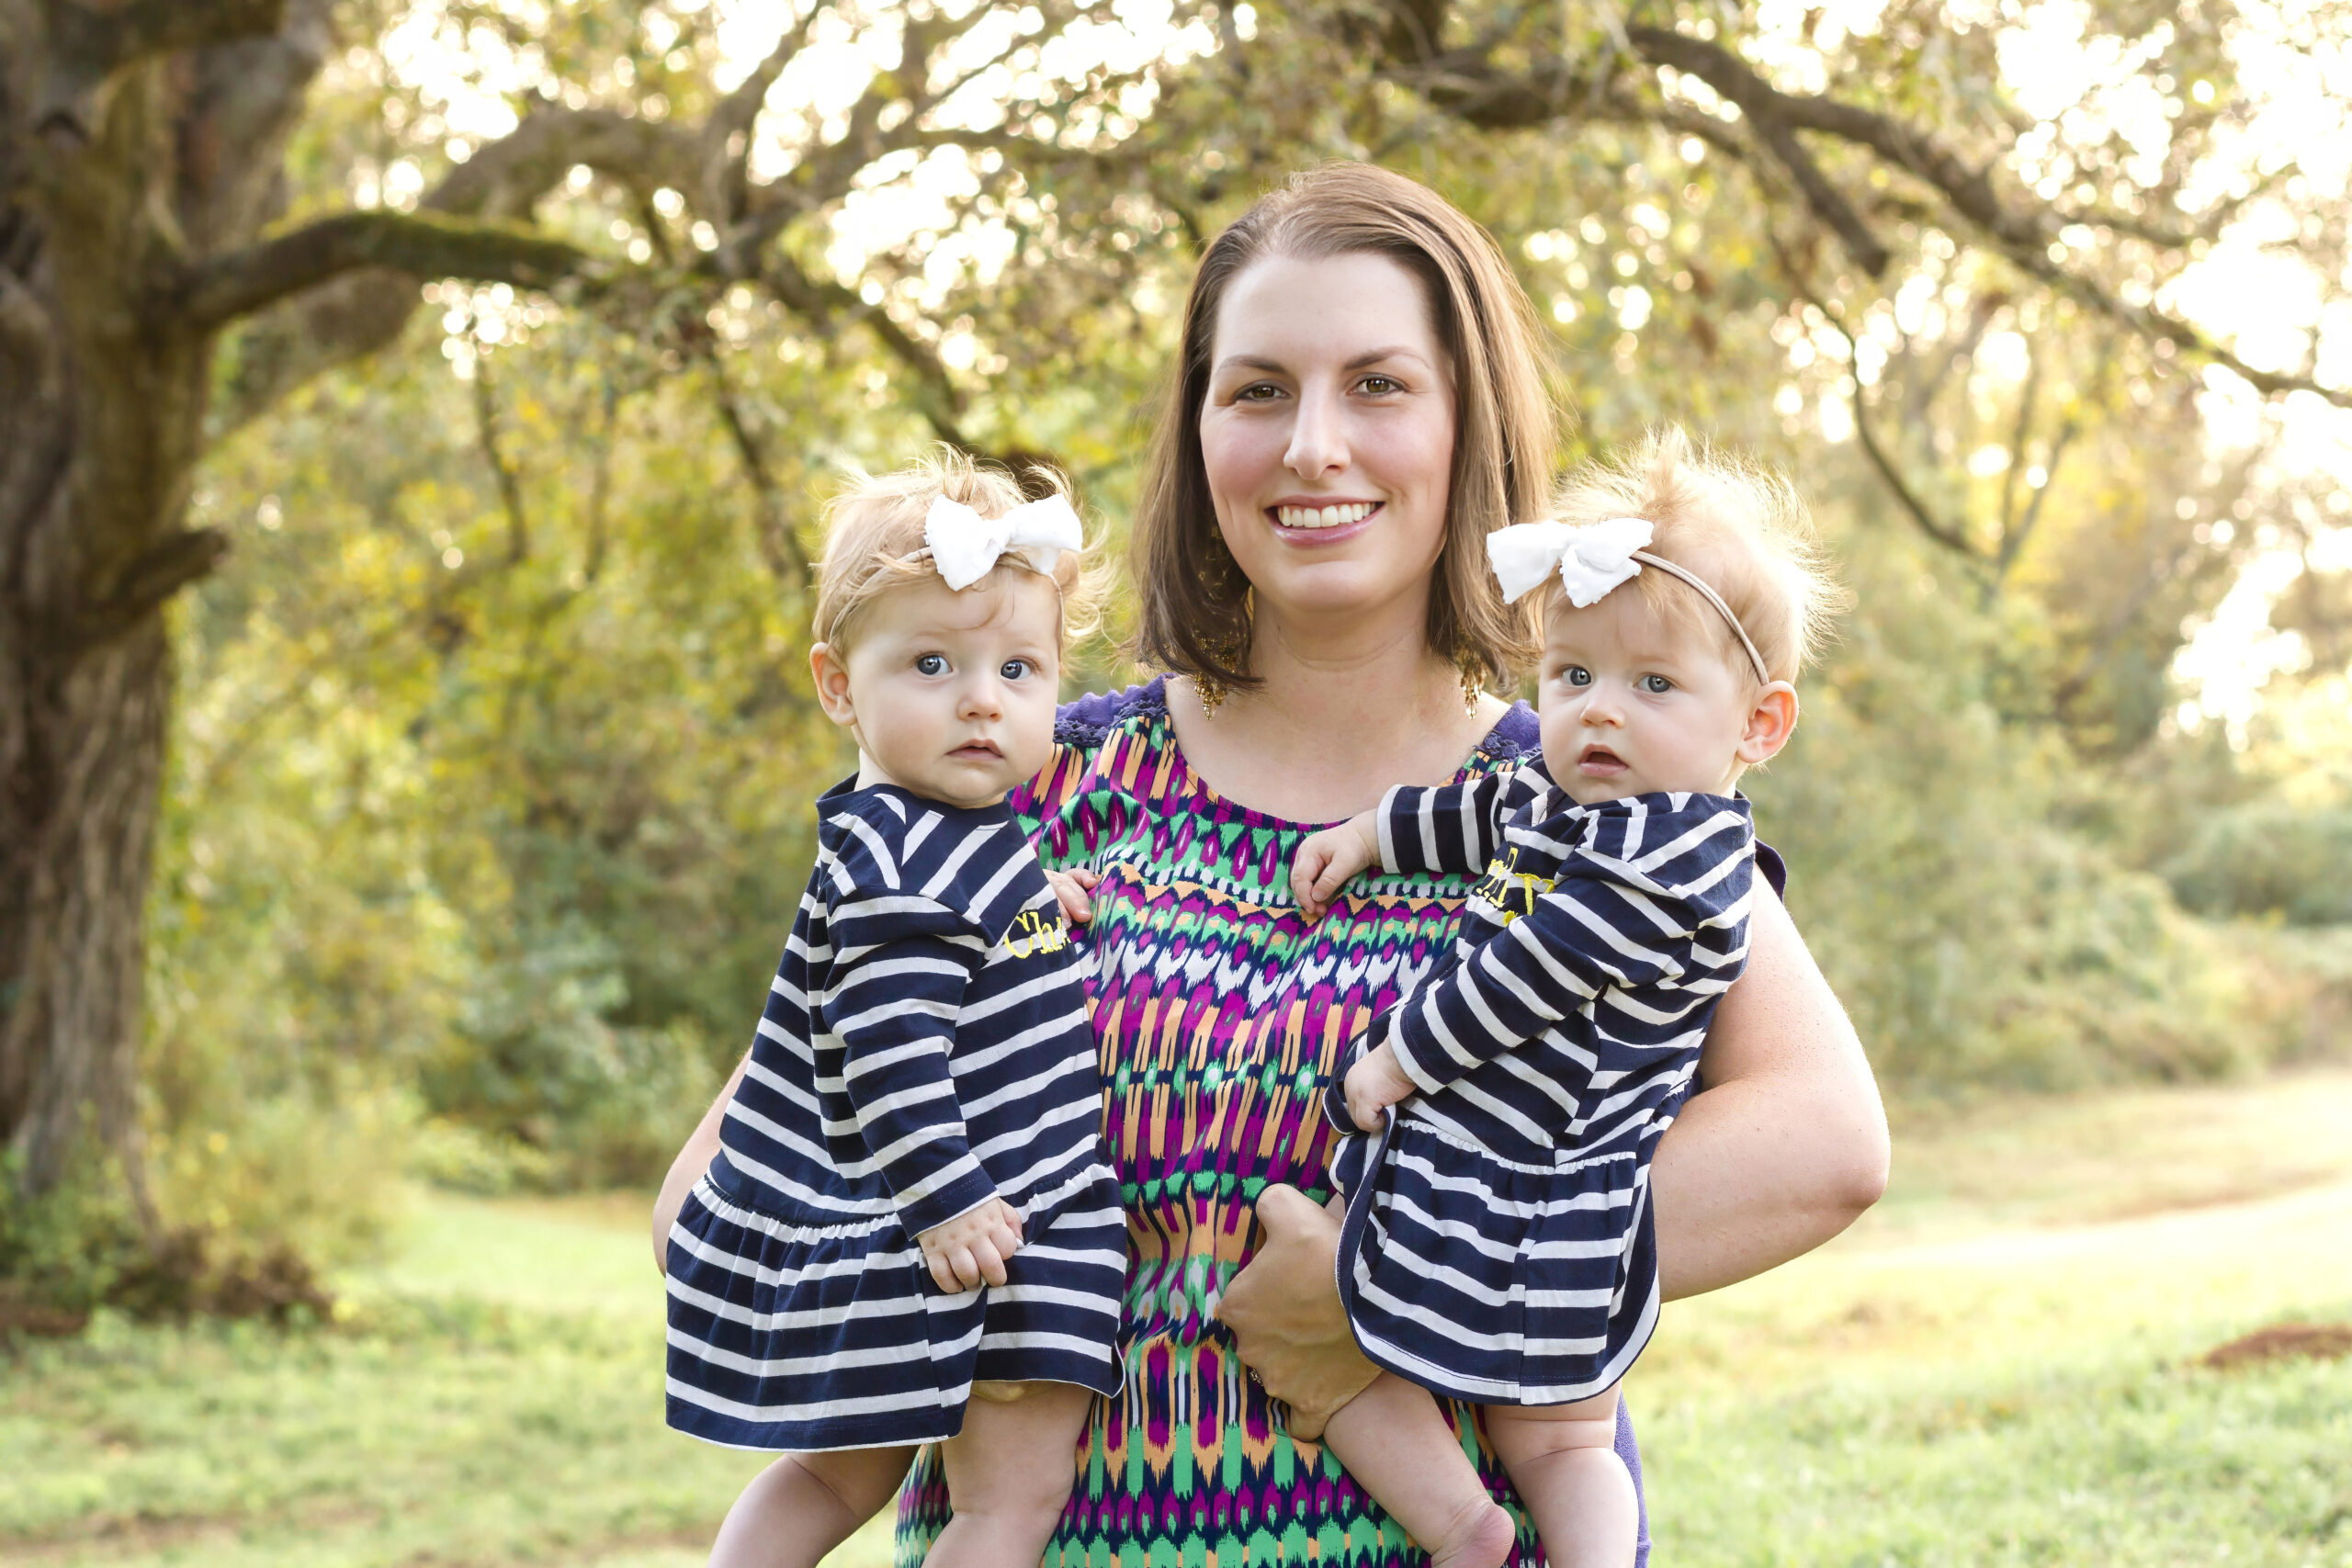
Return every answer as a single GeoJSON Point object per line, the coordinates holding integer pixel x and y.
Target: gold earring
{"type": "Point", "coordinates": [1211, 690]}
{"type": "Point", "coordinates": [1474, 680]}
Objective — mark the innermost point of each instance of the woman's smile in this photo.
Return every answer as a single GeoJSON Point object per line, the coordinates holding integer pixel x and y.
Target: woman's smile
{"type": "Point", "coordinates": [1309, 523]}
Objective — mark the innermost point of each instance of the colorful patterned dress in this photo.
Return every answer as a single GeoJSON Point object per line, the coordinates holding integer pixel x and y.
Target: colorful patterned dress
{"type": "Point", "coordinates": [1219, 1013]}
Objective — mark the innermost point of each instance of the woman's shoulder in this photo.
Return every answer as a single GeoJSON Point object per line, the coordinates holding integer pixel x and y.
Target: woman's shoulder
{"type": "Point", "coordinates": [1087, 723]}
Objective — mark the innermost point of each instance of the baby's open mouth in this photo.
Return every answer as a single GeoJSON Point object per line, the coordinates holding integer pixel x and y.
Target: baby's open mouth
{"type": "Point", "coordinates": [1599, 757]}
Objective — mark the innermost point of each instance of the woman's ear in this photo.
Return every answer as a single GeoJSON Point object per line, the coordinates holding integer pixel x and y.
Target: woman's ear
{"type": "Point", "coordinates": [1771, 718]}
{"type": "Point", "coordinates": [829, 668]}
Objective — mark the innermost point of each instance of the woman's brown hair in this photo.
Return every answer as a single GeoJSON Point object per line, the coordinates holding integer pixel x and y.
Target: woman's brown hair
{"type": "Point", "coordinates": [1193, 618]}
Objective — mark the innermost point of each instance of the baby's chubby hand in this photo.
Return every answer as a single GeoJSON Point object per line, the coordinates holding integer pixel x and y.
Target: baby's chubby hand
{"type": "Point", "coordinates": [1328, 859]}
{"type": "Point", "coordinates": [970, 1249]}
{"type": "Point", "coordinates": [1073, 888]}
{"type": "Point", "coordinates": [1373, 1086]}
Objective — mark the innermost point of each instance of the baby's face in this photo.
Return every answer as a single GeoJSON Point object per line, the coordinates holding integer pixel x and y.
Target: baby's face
{"type": "Point", "coordinates": [953, 693]}
{"type": "Point", "coordinates": [1634, 703]}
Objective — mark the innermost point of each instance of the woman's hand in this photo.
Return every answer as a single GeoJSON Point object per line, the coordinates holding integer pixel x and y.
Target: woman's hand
{"type": "Point", "coordinates": [687, 1168]}
{"type": "Point", "coordinates": [969, 1251]}
{"type": "Point", "coordinates": [1787, 1145]}
{"type": "Point", "coordinates": [1326, 860]}
{"type": "Point", "coordinates": [1284, 1309]}
{"type": "Point", "coordinates": [1073, 888]}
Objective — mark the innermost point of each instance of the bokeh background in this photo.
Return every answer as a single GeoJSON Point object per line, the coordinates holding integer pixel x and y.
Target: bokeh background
{"type": "Point", "coordinates": [483, 797]}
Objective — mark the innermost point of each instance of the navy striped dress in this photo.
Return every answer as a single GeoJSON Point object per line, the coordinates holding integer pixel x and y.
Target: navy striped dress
{"type": "Point", "coordinates": [925, 1047]}
{"type": "Point", "coordinates": [1498, 1246]}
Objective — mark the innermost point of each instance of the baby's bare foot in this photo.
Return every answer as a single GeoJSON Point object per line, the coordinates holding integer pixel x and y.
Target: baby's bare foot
{"type": "Point", "coordinates": [1482, 1538]}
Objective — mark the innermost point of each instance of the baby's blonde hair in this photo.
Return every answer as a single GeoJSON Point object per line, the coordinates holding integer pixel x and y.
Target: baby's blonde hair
{"type": "Point", "coordinates": [873, 536]}
{"type": "Point", "coordinates": [1735, 525]}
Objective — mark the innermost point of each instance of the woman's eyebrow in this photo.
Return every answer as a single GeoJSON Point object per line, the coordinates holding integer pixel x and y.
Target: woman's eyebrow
{"type": "Point", "coordinates": [1372, 357]}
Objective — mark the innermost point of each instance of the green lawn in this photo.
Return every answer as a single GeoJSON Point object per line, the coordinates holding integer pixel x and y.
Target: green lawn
{"type": "Point", "coordinates": [1999, 1367]}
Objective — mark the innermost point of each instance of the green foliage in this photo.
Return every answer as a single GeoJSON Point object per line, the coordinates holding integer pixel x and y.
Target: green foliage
{"type": "Point", "coordinates": [488, 801]}
{"type": "Point", "coordinates": [70, 1250]}
{"type": "Point", "coordinates": [2267, 857]}
{"type": "Point", "coordinates": [1977, 938]}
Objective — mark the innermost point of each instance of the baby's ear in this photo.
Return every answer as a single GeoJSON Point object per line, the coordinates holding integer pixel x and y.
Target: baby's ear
{"type": "Point", "coordinates": [830, 669]}
{"type": "Point", "coordinates": [1771, 717]}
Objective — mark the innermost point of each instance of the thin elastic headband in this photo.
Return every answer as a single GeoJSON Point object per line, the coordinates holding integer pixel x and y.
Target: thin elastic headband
{"type": "Point", "coordinates": [1713, 598]}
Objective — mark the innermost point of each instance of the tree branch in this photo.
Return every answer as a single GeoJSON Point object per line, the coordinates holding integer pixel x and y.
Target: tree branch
{"type": "Point", "coordinates": [180, 559]}
{"type": "Point", "coordinates": [829, 305]}
{"type": "Point", "coordinates": [1953, 538]}
{"type": "Point", "coordinates": [726, 140]}
{"type": "Point", "coordinates": [1767, 108]}
{"type": "Point", "coordinates": [1470, 85]}
{"type": "Point", "coordinates": [506, 177]}
{"type": "Point", "coordinates": [501, 468]}
{"type": "Point", "coordinates": [87, 44]}
{"type": "Point", "coordinates": [779, 545]}
{"type": "Point", "coordinates": [423, 244]}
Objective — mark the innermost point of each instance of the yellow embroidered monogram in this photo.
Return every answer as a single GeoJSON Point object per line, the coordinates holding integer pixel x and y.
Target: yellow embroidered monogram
{"type": "Point", "coordinates": [1509, 889]}
{"type": "Point", "coordinates": [1030, 934]}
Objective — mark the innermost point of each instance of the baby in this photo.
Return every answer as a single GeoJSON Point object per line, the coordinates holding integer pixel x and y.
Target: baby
{"type": "Point", "coordinates": [1497, 1241]}
{"type": "Point", "coordinates": [909, 1233]}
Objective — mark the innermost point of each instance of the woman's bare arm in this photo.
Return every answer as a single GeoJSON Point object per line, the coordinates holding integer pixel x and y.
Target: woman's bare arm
{"type": "Point", "coordinates": [1787, 1144]}
{"type": "Point", "coordinates": [692, 1161]}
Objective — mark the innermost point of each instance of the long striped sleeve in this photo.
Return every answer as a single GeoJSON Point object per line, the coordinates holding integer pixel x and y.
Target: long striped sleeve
{"type": "Point", "coordinates": [1617, 915]}
{"type": "Point", "coordinates": [1453, 830]}
{"type": "Point", "coordinates": [900, 964]}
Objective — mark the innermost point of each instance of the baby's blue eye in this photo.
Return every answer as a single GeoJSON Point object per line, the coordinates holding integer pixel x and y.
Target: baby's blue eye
{"type": "Point", "coordinates": [931, 664]}
{"type": "Point", "coordinates": [1657, 686]}
{"type": "Point", "coordinates": [1014, 669]}
{"type": "Point", "coordinates": [1577, 675]}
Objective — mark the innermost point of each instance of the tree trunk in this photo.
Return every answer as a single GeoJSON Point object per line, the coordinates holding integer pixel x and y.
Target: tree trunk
{"type": "Point", "coordinates": [117, 158]}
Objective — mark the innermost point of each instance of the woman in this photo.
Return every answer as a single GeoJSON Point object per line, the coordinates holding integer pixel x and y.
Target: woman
{"type": "Point", "coordinates": [1359, 401]}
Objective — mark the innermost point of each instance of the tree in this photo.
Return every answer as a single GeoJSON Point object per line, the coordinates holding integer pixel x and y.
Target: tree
{"type": "Point", "coordinates": [181, 246]}
{"type": "Point", "coordinates": [147, 303]}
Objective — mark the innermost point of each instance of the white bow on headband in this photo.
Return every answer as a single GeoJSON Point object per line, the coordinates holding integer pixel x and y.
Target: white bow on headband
{"type": "Point", "coordinates": [1592, 560]}
{"type": "Point", "coordinates": [966, 547]}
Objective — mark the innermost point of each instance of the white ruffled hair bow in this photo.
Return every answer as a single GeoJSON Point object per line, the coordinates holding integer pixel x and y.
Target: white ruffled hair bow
{"type": "Point", "coordinates": [966, 547]}
{"type": "Point", "coordinates": [1592, 559]}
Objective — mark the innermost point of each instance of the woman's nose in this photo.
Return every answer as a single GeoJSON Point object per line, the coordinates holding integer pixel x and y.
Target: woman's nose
{"type": "Point", "coordinates": [1317, 439]}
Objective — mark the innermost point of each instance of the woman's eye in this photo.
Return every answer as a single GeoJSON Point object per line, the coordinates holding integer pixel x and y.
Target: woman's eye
{"type": "Point", "coordinates": [931, 664]}
{"type": "Point", "coordinates": [1577, 675]}
{"type": "Point", "coordinates": [1657, 686]}
{"type": "Point", "coordinates": [1381, 385]}
{"type": "Point", "coordinates": [1258, 392]}
{"type": "Point", "coordinates": [1014, 669]}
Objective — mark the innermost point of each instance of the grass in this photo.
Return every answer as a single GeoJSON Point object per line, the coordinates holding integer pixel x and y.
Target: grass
{"type": "Point", "coordinates": [1999, 1366]}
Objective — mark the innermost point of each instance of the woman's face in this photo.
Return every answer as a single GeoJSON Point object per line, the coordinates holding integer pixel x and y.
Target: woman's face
{"type": "Point", "coordinates": [1327, 433]}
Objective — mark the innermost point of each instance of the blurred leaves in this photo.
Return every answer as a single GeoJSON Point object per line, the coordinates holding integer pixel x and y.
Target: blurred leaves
{"type": "Point", "coordinates": [489, 802]}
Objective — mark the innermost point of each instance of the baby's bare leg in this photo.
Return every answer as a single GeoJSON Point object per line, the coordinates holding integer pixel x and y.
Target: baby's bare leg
{"type": "Point", "coordinates": [1008, 1476]}
{"type": "Point", "coordinates": [803, 1505]}
{"type": "Point", "coordinates": [1563, 1459]}
{"type": "Point", "coordinates": [1399, 1448]}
